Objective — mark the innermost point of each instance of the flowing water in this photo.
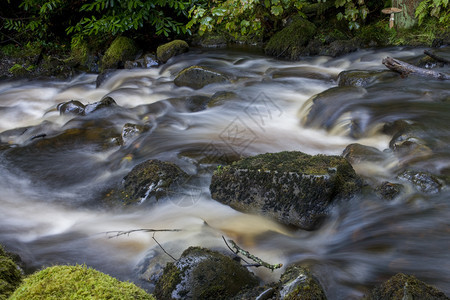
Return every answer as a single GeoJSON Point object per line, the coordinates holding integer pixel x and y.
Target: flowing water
{"type": "Point", "coordinates": [49, 195]}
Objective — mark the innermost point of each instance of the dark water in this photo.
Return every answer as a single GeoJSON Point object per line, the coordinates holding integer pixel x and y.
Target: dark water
{"type": "Point", "coordinates": [49, 193]}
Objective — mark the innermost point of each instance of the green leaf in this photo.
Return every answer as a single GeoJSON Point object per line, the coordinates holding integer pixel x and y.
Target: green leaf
{"type": "Point", "coordinates": [276, 10]}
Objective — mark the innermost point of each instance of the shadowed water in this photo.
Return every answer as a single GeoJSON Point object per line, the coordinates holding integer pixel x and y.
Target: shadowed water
{"type": "Point", "coordinates": [50, 194]}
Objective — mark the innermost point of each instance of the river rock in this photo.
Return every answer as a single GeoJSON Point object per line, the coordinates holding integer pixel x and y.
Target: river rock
{"type": "Point", "coordinates": [130, 131]}
{"type": "Point", "coordinates": [73, 107]}
{"type": "Point", "coordinates": [145, 62]}
{"type": "Point", "coordinates": [423, 181]}
{"type": "Point", "coordinates": [356, 153]}
{"type": "Point", "coordinates": [297, 283]}
{"type": "Point", "coordinates": [203, 274]}
{"type": "Point", "coordinates": [197, 77]}
{"type": "Point", "coordinates": [104, 76]}
{"type": "Point", "coordinates": [221, 97]}
{"type": "Point", "coordinates": [362, 78]}
{"type": "Point", "coordinates": [290, 41]}
{"type": "Point", "coordinates": [173, 48]}
{"type": "Point", "coordinates": [120, 50]}
{"type": "Point", "coordinates": [327, 107]}
{"type": "Point", "coordinates": [152, 178]}
{"type": "Point", "coordinates": [10, 275]}
{"type": "Point", "coordinates": [292, 187]}
{"type": "Point", "coordinates": [388, 190]}
{"type": "Point", "coordinates": [340, 47]}
{"type": "Point", "coordinates": [405, 287]}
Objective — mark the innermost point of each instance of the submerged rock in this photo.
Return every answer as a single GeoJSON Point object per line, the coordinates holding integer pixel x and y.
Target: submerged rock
{"type": "Point", "coordinates": [152, 178]}
{"type": "Point", "coordinates": [362, 78]}
{"type": "Point", "coordinates": [197, 77]}
{"type": "Point", "coordinates": [76, 282]}
{"type": "Point", "coordinates": [423, 181]}
{"type": "Point", "coordinates": [297, 283]}
{"type": "Point", "coordinates": [405, 287]}
{"type": "Point", "coordinates": [292, 187]}
{"type": "Point", "coordinates": [173, 48]}
{"type": "Point", "coordinates": [10, 275]}
{"type": "Point", "coordinates": [388, 190]}
{"type": "Point", "coordinates": [129, 131]}
{"type": "Point", "coordinates": [75, 107]}
{"type": "Point", "coordinates": [203, 274]}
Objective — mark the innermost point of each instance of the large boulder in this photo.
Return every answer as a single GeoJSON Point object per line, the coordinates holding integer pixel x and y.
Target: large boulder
{"type": "Point", "coordinates": [76, 282]}
{"type": "Point", "coordinates": [150, 179]}
{"type": "Point", "coordinates": [362, 78]}
{"type": "Point", "coordinates": [290, 42]}
{"type": "Point", "coordinates": [10, 275]}
{"type": "Point", "coordinates": [292, 187]}
{"type": "Point", "coordinates": [173, 48]}
{"type": "Point", "coordinates": [120, 50]}
{"type": "Point", "coordinates": [203, 274]}
{"type": "Point", "coordinates": [197, 77]}
{"type": "Point", "coordinates": [403, 286]}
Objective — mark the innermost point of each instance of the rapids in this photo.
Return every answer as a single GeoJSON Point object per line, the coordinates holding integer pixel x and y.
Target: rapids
{"type": "Point", "coordinates": [49, 212]}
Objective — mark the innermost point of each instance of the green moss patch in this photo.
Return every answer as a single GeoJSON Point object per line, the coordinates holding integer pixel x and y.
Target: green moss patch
{"type": "Point", "coordinates": [166, 51]}
{"type": "Point", "coordinates": [76, 282]}
{"type": "Point", "coordinates": [121, 49]}
{"type": "Point", "coordinates": [10, 275]}
{"type": "Point", "coordinates": [289, 42]}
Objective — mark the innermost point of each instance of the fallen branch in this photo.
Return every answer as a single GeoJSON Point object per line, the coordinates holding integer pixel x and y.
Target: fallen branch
{"type": "Point", "coordinates": [405, 69]}
{"type": "Point", "coordinates": [436, 57]}
{"type": "Point", "coordinates": [119, 233]}
{"type": "Point", "coordinates": [153, 237]}
{"type": "Point", "coordinates": [259, 262]}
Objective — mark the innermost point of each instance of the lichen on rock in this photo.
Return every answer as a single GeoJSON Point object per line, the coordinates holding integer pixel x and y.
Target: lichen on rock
{"type": "Point", "coordinates": [292, 187]}
{"type": "Point", "coordinates": [203, 274]}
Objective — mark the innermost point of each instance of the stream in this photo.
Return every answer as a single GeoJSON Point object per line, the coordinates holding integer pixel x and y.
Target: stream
{"type": "Point", "coordinates": [50, 197]}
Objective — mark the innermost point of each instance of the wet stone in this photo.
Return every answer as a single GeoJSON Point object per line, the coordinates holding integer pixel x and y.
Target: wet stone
{"type": "Point", "coordinates": [356, 153]}
{"type": "Point", "coordinates": [405, 287]}
{"type": "Point", "coordinates": [74, 107]}
{"type": "Point", "coordinates": [197, 77]}
{"type": "Point", "coordinates": [149, 180]}
{"type": "Point", "coordinates": [388, 190]}
{"type": "Point", "coordinates": [297, 283]}
{"type": "Point", "coordinates": [203, 274]}
{"type": "Point", "coordinates": [292, 187]}
{"type": "Point", "coordinates": [422, 181]}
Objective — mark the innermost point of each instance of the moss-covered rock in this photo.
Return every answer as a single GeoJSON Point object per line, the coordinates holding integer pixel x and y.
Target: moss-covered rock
{"type": "Point", "coordinates": [76, 282]}
{"type": "Point", "coordinates": [197, 77]}
{"type": "Point", "coordinates": [10, 275]}
{"type": "Point", "coordinates": [173, 48]}
{"type": "Point", "coordinates": [297, 283]}
{"type": "Point", "coordinates": [290, 42]}
{"type": "Point", "coordinates": [120, 50]}
{"type": "Point", "coordinates": [203, 274]}
{"type": "Point", "coordinates": [403, 286]}
{"type": "Point", "coordinates": [152, 178]}
{"type": "Point", "coordinates": [292, 187]}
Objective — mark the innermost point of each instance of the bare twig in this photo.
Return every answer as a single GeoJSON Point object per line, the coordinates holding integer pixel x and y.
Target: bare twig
{"type": "Point", "coordinates": [119, 233]}
{"type": "Point", "coordinates": [259, 261]}
{"type": "Point", "coordinates": [153, 237]}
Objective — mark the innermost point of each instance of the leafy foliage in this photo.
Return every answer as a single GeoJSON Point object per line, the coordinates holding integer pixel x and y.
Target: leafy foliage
{"type": "Point", "coordinates": [116, 17]}
{"type": "Point", "coordinates": [435, 8]}
{"type": "Point", "coordinates": [355, 12]}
